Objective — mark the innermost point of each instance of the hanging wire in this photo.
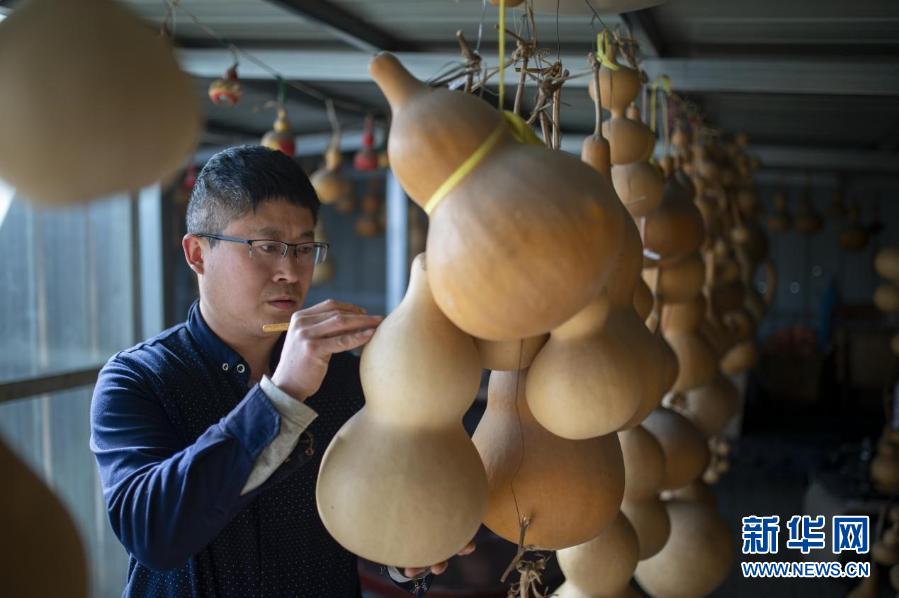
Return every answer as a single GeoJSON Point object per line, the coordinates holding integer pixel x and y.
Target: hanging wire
{"type": "Point", "coordinates": [477, 47]}
{"type": "Point", "coordinates": [595, 16]}
{"type": "Point", "coordinates": [304, 89]}
{"type": "Point", "coordinates": [558, 38]}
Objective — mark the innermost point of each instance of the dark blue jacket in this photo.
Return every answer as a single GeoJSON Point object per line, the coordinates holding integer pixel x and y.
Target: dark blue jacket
{"type": "Point", "coordinates": [176, 432]}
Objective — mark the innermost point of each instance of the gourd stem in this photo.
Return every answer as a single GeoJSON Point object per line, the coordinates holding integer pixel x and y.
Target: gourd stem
{"type": "Point", "coordinates": [519, 93]}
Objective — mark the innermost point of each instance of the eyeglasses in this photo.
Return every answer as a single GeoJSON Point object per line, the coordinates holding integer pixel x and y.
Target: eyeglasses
{"type": "Point", "coordinates": [309, 253]}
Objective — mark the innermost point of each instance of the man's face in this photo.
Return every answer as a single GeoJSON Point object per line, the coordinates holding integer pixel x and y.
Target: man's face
{"type": "Point", "coordinates": [243, 292]}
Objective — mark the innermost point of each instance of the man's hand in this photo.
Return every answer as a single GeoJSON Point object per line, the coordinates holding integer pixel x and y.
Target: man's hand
{"type": "Point", "coordinates": [314, 335]}
{"type": "Point", "coordinates": [439, 568]}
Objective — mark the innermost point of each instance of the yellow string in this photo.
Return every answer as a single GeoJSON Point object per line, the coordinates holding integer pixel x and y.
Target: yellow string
{"type": "Point", "coordinates": [514, 124]}
{"type": "Point", "coordinates": [602, 50]}
{"type": "Point", "coordinates": [502, 52]}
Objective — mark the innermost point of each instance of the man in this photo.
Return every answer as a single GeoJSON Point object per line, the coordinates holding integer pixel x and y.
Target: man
{"type": "Point", "coordinates": [209, 436]}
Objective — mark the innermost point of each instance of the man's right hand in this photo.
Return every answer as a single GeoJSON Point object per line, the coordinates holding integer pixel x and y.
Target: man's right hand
{"type": "Point", "coordinates": [314, 335]}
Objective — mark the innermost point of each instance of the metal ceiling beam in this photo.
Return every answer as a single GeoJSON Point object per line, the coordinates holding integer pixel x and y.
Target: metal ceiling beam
{"type": "Point", "coordinates": [643, 28]}
{"type": "Point", "coordinates": [687, 75]}
{"type": "Point", "coordinates": [346, 26]}
{"type": "Point", "coordinates": [341, 103]}
{"type": "Point", "coordinates": [825, 158]}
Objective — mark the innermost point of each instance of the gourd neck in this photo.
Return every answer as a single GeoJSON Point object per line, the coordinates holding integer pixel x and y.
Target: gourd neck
{"type": "Point", "coordinates": [397, 84]}
{"type": "Point", "coordinates": [589, 320]}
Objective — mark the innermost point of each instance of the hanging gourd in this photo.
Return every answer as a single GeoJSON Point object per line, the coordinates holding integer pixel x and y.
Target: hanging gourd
{"type": "Point", "coordinates": [619, 85]}
{"type": "Point", "coordinates": [604, 565]}
{"type": "Point", "coordinates": [280, 137]}
{"type": "Point", "coordinates": [595, 150]}
{"type": "Point", "coordinates": [644, 463]}
{"type": "Point", "coordinates": [567, 490]}
{"type": "Point", "coordinates": [366, 159]}
{"type": "Point", "coordinates": [589, 380]}
{"type": "Point", "coordinates": [226, 91]}
{"type": "Point", "coordinates": [330, 185]}
{"type": "Point", "coordinates": [37, 530]}
{"type": "Point", "coordinates": [886, 263]}
{"type": "Point", "coordinates": [93, 102]}
{"type": "Point", "coordinates": [886, 549]}
{"type": "Point", "coordinates": [323, 272]}
{"type": "Point", "coordinates": [696, 558]}
{"type": "Point", "coordinates": [696, 360]}
{"type": "Point", "coordinates": [404, 462]}
{"type": "Point", "coordinates": [675, 229]}
{"type": "Point", "coordinates": [367, 224]}
{"type": "Point", "coordinates": [685, 448]}
{"type": "Point", "coordinates": [651, 522]}
{"type": "Point", "coordinates": [695, 491]}
{"type": "Point", "coordinates": [781, 220]}
{"type": "Point", "coordinates": [644, 470]}
{"type": "Point", "coordinates": [520, 237]}
{"type": "Point", "coordinates": [854, 236]}
{"type": "Point", "coordinates": [640, 186]}
{"type": "Point", "coordinates": [678, 282]}
{"type": "Point", "coordinates": [886, 297]}
{"type": "Point", "coordinates": [327, 182]}
{"type": "Point", "coordinates": [712, 406]}
{"type": "Point", "coordinates": [658, 381]}
{"type": "Point", "coordinates": [510, 355]}
{"type": "Point", "coordinates": [742, 357]}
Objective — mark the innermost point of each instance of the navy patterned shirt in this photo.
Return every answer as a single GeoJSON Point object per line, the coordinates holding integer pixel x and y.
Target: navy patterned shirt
{"type": "Point", "coordinates": [176, 432]}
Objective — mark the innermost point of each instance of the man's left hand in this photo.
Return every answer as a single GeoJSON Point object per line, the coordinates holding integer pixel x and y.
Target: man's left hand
{"type": "Point", "coordinates": [439, 568]}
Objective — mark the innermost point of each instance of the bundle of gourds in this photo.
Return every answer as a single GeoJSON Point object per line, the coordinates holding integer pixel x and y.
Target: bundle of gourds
{"type": "Point", "coordinates": [532, 270]}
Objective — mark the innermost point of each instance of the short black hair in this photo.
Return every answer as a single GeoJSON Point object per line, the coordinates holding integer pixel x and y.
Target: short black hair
{"type": "Point", "coordinates": [236, 180]}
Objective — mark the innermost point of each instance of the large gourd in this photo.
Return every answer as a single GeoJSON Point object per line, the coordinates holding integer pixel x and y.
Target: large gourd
{"type": "Point", "coordinates": [37, 533]}
{"type": "Point", "coordinates": [93, 102]}
{"type": "Point", "coordinates": [402, 483]}
{"type": "Point", "coordinates": [589, 379]}
{"type": "Point", "coordinates": [524, 240]}
{"type": "Point", "coordinates": [644, 467]}
{"type": "Point", "coordinates": [569, 489]}
{"type": "Point", "coordinates": [712, 406]}
{"type": "Point", "coordinates": [644, 463]}
{"type": "Point", "coordinates": [685, 448]}
{"type": "Point", "coordinates": [675, 229]}
{"type": "Point", "coordinates": [886, 263]}
{"type": "Point", "coordinates": [651, 522]}
{"type": "Point", "coordinates": [696, 360]}
{"type": "Point", "coordinates": [696, 558]}
{"type": "Point", "coordinates": [604, 565]}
